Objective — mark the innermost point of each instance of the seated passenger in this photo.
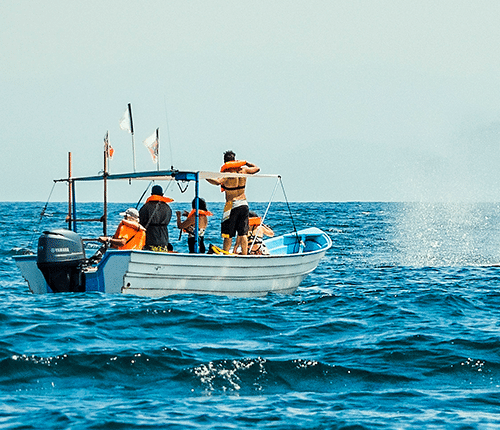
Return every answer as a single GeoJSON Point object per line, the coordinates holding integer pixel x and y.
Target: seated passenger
{"type": "Point", "coordinates": [129, 234]}
{"type": "Point", "coordinates": [188, 224]}
{"type": "Point", "coordinates": [256, 232]}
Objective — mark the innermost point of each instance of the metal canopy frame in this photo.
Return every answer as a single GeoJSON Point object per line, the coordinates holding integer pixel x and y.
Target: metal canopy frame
{"type": "Point", "coordinates": [172, 175]}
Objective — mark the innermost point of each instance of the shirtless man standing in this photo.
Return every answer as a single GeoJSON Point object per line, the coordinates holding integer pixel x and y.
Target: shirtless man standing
{"type": "Point", "coordinates": [235, 217]}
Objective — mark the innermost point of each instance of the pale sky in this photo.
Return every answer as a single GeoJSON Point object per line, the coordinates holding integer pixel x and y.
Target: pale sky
{"type": "Point", "coordinates": [386, 100]}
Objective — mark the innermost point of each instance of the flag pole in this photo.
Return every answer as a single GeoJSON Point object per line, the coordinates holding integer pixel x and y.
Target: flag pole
{"type": "Point", "coordinates": [158, 143]}
{"type": "Point", "coordinates": [105, 182]}
{"type": "Point", "coordinates": [132, 132]}
{"type": "Point", "coordinates": [70, 195]}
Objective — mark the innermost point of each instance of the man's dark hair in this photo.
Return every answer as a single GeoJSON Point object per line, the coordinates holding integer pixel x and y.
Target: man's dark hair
{"type": "Point", "coordinates": [229, 156]}
{"type": "Point", "coordinates": [202, 204]}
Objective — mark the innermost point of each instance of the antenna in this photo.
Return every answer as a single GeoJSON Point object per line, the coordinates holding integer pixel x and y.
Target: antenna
{"type": "Point", "coordinates": [168, 134]}
{"type": "Point", "coordinates": [132, 132]}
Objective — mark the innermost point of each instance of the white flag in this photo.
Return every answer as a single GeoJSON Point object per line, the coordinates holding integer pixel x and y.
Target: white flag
{"type": "Point", "coordinates": [153, 145]}
{"type": "Point", "coordinates": [125, 123]}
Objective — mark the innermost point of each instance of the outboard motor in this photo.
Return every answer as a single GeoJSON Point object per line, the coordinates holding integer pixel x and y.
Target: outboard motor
{"type": "Point", "coordinates": [60, 258]}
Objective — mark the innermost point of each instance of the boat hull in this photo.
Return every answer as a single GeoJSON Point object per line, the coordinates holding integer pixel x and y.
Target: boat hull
{"type": "Point", "coordinates": [157, 274]}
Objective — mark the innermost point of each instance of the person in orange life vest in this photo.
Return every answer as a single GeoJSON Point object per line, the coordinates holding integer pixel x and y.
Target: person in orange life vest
{"type": "Point", "coordinates": [154, 216]}
{"type": "Point", "coordinates": [256, 233]}
{"type": "Point", "coordinates": [188, 224]}
{"type": "Point", "coordinates": [129, 234]}
{"type": "Point", "coordinates": [235, 216]}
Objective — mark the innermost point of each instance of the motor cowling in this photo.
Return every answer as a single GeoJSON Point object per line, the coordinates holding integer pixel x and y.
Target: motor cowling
{"type": "Point", "coordinates": [61, 257]}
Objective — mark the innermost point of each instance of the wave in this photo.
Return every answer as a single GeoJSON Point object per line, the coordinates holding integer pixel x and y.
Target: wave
{"type": "Point", "coordinates": [180, 374]}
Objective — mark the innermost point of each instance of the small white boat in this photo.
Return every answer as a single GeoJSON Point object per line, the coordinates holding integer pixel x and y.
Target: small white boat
{"type": "Point", "coordinates": [155, 274]}
{"type": "Point", "coordinates": [60, 264]}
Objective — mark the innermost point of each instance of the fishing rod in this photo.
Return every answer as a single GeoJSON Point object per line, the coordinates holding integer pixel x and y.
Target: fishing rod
{"type": "Point", "coordinates": [143, 194]}
{"type": "Point", "coordinates": [289, 211]}
{"type": "Point", "coordinates": [42, 214]}
{"type": "Point", "coordinates": [146, 190]}
{"type": "Point", "coordinates": [280, 180]}
{"type": "Point", "coordinates": [168, 134]}
{"type": "Point", "coordinates": [267, 209]}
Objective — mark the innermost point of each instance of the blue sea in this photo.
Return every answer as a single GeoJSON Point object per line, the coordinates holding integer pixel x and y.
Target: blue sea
{"type": "Point", "coordinates": [397, 328]}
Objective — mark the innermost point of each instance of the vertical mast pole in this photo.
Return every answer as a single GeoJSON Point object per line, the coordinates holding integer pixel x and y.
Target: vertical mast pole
{"type": "Point", "coordinates": [73, 191]}
{"type": "Point", "coordinates": [105, 198]}
{"type": "Point", "coordinates": [196, 214]}
{"type": "Point", "coordinates": [69, 191]}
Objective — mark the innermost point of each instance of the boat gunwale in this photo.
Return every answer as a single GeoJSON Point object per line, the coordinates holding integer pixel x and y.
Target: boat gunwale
{"type": "Point", "coordinates": [185, 254]}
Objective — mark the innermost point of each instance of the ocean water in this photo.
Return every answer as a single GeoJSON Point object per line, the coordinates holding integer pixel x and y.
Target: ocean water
{"type": "Point", "coordinates": [398, 328]}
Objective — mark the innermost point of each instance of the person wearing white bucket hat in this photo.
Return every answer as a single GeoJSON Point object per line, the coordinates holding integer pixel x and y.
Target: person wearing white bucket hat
{"type": "Point", "coordinates": [131, 212]}
{"type": "Point", "coordinates": [129, 234]}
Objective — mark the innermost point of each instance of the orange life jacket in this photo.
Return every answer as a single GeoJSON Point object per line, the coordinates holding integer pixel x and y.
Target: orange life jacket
{"type": "Point", "coordinates": [255, 220]}
{"type": "Point", "coordinates": [193, 211]}
{"type": "Point", "coordinates": [133, 233]}
{"type": "Point", "coordinates": [232, 166]}
{"type": "Point", "coordinates": [157, 198]}
{"type": "Point", "coordinates": [190, 229]}
{"type": "Point", "coordinates": [258, 248]}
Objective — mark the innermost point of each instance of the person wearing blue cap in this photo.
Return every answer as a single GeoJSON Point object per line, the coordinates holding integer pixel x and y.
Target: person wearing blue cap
{"type": "Point", "coordinates": [154, 216]}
